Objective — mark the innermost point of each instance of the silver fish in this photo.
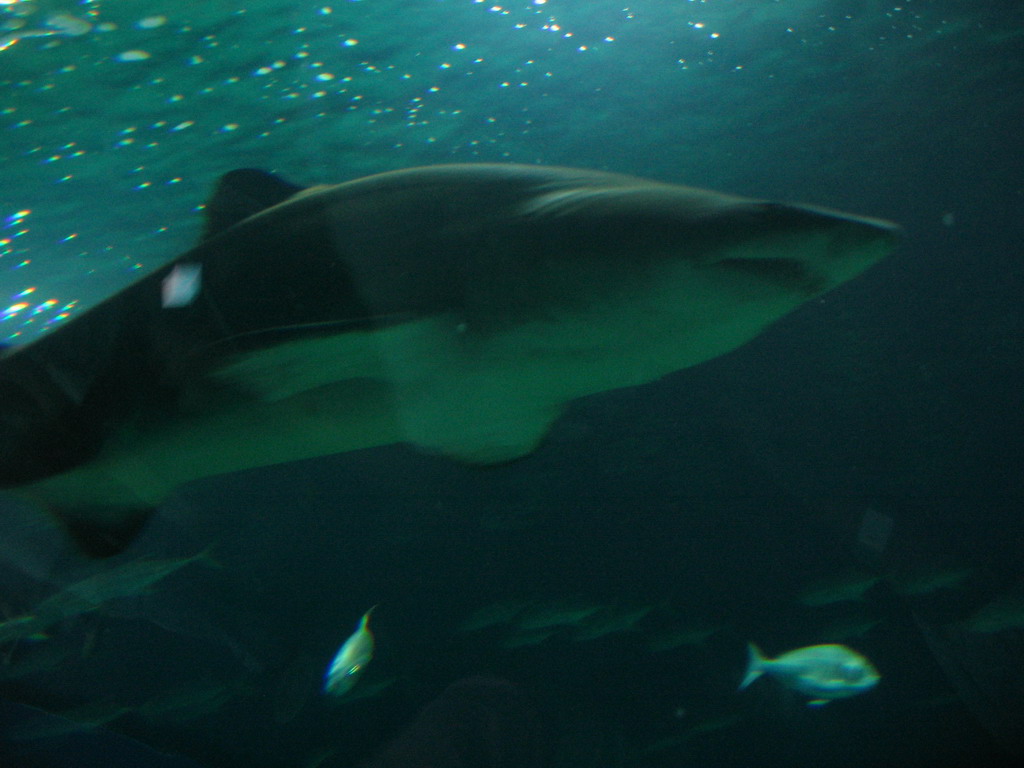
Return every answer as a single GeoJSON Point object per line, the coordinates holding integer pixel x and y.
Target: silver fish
{"type": "Point", "coordinates": [351, 659]}
{"type": "Point", "coordinates": [846, 587]}
{"type": "Point", "coordinates": [125, 580]}
{"type": "Point", "coordinates": [822, 672]}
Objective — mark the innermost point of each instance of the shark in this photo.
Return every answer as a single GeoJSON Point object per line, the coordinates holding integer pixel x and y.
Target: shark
{"type": "Point", "coordinates": [456, 308]}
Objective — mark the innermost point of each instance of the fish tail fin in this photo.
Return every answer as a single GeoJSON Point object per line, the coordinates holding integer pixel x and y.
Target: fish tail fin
{"type": "Point", "coordinates": [207, 558]}
{"type": "Point", "coordinates": [755, 665]}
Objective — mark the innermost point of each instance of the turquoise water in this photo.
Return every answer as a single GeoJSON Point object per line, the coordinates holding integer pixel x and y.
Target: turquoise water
{"type": "Point", "coordinates": [706, 504]}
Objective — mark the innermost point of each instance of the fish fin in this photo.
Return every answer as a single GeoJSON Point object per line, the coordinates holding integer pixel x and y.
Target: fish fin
{"type": "Point", "coordinates": [103, 536]}
{"type": "Point", "coordinates": [485, 429]}
{"type": "Point", "coordinates": [818, 702]}
{"type": "Point", "coordinates": [755, 665]}
{"type": "Point", "coordinates": [242, 193]}
{"type": "Point", "coordinates": [366, 617]}
{"type": "Point", "coordinates": [208, 559]}
{"type": "Point", "coordinates": [274, 364]}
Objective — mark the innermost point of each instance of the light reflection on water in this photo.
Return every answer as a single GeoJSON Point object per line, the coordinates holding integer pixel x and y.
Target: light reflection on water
{"type": "Point", "coordinates": [117, 118]}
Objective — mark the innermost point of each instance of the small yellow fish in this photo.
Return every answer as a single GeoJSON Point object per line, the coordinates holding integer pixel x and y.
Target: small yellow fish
{"type": "Point", "coordinates": [350, 660]}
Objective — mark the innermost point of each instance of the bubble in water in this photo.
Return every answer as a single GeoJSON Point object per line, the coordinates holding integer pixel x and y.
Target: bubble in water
{"type": "Point", "coordinates": [151, 22]}
{"type": "Point", "coordinates": [66, 24]}
{"type": "Point", "coordinates": [133, 55]}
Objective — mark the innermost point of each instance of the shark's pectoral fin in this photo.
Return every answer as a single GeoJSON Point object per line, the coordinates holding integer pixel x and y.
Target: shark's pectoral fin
{"type": "Point", "coordinates": [460, 394]}
{"type": "Point", "coordinates": [445, 391]}
{"type": "Point", "coordinates": [474, 429]}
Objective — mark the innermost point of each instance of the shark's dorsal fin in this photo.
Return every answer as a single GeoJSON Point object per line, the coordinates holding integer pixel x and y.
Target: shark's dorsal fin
{"type": "Point", "coordinates": [243, 193]}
